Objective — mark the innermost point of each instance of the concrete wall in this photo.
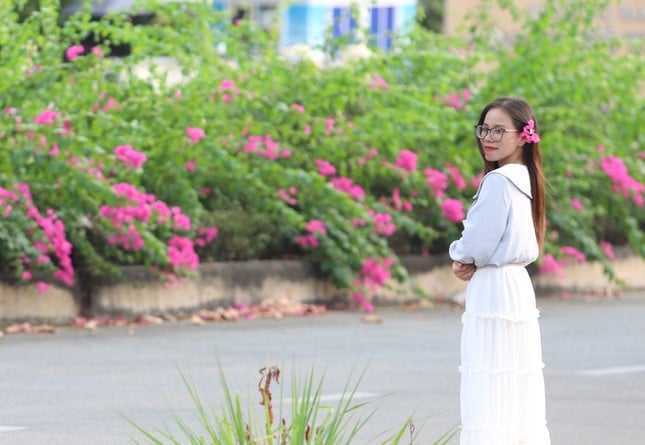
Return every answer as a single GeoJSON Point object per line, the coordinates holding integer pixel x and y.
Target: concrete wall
{"type": "Point", "coordinates": [222, 284]}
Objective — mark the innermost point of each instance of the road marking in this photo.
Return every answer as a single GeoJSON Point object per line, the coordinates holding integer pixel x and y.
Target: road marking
{"type": "Point", "coordinates": [6, 428]}
{"type": "Point", "coordinates": [338, 396]}
{"type": "Point", "coordinates": [356, 395]}
{"type": "Point", "coordinates": [616, 370]}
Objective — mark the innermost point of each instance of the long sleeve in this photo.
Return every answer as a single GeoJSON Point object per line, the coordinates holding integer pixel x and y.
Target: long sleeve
{"type": "Point", "coordinates": [485, 223]}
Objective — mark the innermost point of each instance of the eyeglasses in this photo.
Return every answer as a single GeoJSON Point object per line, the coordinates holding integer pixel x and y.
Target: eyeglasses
{"type": "Point", "coordinates": [496, 134]}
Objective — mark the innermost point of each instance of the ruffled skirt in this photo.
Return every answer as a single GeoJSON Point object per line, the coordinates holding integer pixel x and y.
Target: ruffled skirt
{"type": "Point", "coordinates": [502, 386]}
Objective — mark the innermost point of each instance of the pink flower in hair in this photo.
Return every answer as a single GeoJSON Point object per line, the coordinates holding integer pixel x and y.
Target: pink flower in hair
{"type": "Point", "coordinates": [528, 132]}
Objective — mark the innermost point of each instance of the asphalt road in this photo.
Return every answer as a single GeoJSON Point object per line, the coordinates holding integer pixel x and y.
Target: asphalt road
{"type": "Point", "coordinates": [77, 387]}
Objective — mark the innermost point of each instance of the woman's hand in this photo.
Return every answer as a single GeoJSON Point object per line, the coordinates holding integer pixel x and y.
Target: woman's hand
{"type": "Point", "coordinates": [463, 271]}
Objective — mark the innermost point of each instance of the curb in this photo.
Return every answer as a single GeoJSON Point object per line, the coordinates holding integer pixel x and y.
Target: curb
{"type": "Point", "coordinates": [254, 282]}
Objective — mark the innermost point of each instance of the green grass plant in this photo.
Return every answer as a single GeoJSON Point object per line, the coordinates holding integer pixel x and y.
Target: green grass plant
{"type": "Point", "coordinates": [301, 418]}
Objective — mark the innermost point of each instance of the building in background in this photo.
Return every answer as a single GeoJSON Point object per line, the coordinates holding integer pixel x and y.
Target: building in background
{"type": "Point", "coordinates": [307, 22]}
{"type": "Point", "coordinates": [625, 19]}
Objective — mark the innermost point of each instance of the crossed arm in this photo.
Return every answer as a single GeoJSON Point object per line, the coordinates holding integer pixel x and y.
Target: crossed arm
{"type": "Point", "coordinates": [463, 271]}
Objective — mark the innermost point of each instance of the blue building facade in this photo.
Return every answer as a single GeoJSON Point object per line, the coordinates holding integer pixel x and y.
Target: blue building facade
{"type": "Point", "coordinates": [306, 22]}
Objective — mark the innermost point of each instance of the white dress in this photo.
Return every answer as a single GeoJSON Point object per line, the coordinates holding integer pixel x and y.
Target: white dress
{"type": "Point", "coordinates": [502, 386]}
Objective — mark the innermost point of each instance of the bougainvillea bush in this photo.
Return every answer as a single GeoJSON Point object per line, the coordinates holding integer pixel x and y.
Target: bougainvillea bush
{"type": "Point", "coordinates": [204, 144]}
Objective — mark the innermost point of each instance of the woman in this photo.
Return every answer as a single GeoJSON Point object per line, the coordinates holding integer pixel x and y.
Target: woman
{"type": "Point", "coordinates": [502, 386]}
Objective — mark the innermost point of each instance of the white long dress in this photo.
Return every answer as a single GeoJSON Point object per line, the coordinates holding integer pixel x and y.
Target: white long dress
{"type": "Point", "coordinates": [502, 385]}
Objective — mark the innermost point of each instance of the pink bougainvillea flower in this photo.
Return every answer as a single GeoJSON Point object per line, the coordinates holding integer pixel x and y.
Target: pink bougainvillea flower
{"type": "Point", "coordinates": [378, 83]}
{"type": "Point", "coordinates": [190, 165]}
{"type": "Point", "coordinates": [325, 168]}
{"type": "Point", "coordinates": [476, 180]}
{"type": "Point", "coordinates": [317, 226]}
{"type": "Point", "coordinates": [576, 204]}
{"type": "Point", "coordinates": [266, 147]}
{"type": "Point", "coordinates": [622, 181]}
{"type": "Point", "coordinates": [43, 259]}
{"type": "Point", "coordinates": [607, 249]}
{"type": "Point", "coordinates": [383, 224]}
{"type": "Point", "coordinates": [227, 85]}
{"type": "Point", "coordinates": [98, 52]}
{"type": "Point", "coordinates": [42, 287]}
{"type": "Point", "coordinates": [573, 253]}
{"type": "Point", "coordinates": [74, 51]}
{"type": "Point", "coordinates": [47, 117]}
{"type": "Point", "coordinates": [528, 132]}
{"type": "Point", "coordinates": [307, 130]}
{"type": "Point", "coordinates": [26, 275]}
{"type": "Point", "coordinates": [205, 235]}
{"type": "Point", "coordinates": [453, 210]}
{"type": "Point", "coordinates": [407, 160]}
{"type": "Point", "coordinates": [457, 178]}
{"type": "Point", "coordinates": [361, 299]}
{"type": "Point", "coordinates": [375, 273]}
{"type": "Point", "coordinates": [397, 203]}
{"type": "Point", "coordinates": [129, 240]}
{"type": "Point", "coordinates": [453, 101]}
{"type": "Point", "coordinates": [195, 134]}
{"type": "Point", "coordinates": [288, 196]}
{"type": "Point", "coordinates": [181, 253]}
{"type": "Point", "coordinates": [305, 241]}
{"type": "Point", "coordinates": [181, 221]}
{"type": "Point", "coordinates": [347, 185]}
{"type": "Point", "coordinates": [437, 181]}
{"type": "Point", "coordinates": [53, 229]}
{"type": "Point", "coordinates": [550, 265]}
{"type": "Point", "coordinates": [67, 127]}
{"type": "Point", "coordinates": [111, 104]}
{"type": "Point", "coordinates": [298, 107]}
{"type": "Point", "coordinates": [465, 94]}
{"type": "Point", "coordinates": [329, 125]}
{"type": "Point", "coordinates": [370, 154]}
{"type": "Point", "coordinates": [130, 156]}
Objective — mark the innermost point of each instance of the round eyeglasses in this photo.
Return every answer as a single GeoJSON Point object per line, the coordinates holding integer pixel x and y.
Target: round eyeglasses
{"type": "Point", "coordinates": [496, 134]}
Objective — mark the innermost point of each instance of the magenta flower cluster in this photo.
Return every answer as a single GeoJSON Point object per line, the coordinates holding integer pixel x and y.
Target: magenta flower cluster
{"type": "Point", "coordinates": [266, 147]}
{"type": "Point", "coordinates": [374, 274]}
{"type": "Point", "coordinates": [145, 208]}
{"type": "Point", "coordinates": [315, 228]}
{"type": "Point", "coordinates": [48, 236]}
{"type": "Point", "coordinates": [130, 156]}
{"type": "Point", "coordinates": [528, 132]}
{"type": "Point", "coordinates": [622, 182]}
{"type": "Point", "coordinates": [407, 160]}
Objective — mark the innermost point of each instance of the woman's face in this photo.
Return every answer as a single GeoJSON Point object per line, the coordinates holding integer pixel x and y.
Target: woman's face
{"type": "Point", "coordinates": [509, 148]}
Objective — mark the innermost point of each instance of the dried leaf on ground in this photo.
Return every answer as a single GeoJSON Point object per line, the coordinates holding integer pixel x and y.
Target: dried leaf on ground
{"type": "Point", "coordinates": [372, 319]}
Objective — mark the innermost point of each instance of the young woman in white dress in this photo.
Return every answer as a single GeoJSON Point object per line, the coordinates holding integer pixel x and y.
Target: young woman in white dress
{"type": "Point", "coordinates": [502, 385]}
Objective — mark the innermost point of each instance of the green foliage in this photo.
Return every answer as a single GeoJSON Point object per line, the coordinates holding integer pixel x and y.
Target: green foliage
{"type": "Point", "coordinates": [254, 174]}
{"type": "Point", "coordinates": [302, 418]}
{"type": "Point", "coordinates": [433, 15]}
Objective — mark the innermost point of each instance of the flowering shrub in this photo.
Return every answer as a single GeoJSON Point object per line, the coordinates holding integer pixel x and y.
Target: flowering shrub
{"type": "Point", "coordinates": [251, 156]}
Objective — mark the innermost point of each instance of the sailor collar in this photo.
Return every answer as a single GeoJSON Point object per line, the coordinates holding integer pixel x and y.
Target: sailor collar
{"type": "Point", "coordinates": [518, 174]}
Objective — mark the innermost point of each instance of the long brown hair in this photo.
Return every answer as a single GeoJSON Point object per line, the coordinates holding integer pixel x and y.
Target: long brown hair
{"type": "Point", "coordinates": [521, 112]}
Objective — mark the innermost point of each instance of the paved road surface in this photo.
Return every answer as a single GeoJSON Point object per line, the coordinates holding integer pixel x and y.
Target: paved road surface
{"type": "Point", "coordinates": [73, 387]}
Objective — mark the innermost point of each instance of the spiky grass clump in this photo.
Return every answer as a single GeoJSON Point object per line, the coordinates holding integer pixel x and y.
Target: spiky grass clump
{"type": "Point", "coordinates": [303, 419]}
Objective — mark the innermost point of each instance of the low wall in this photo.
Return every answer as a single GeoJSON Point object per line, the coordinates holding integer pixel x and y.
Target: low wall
{"type": "Point", "coordinates": [222, 284]}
